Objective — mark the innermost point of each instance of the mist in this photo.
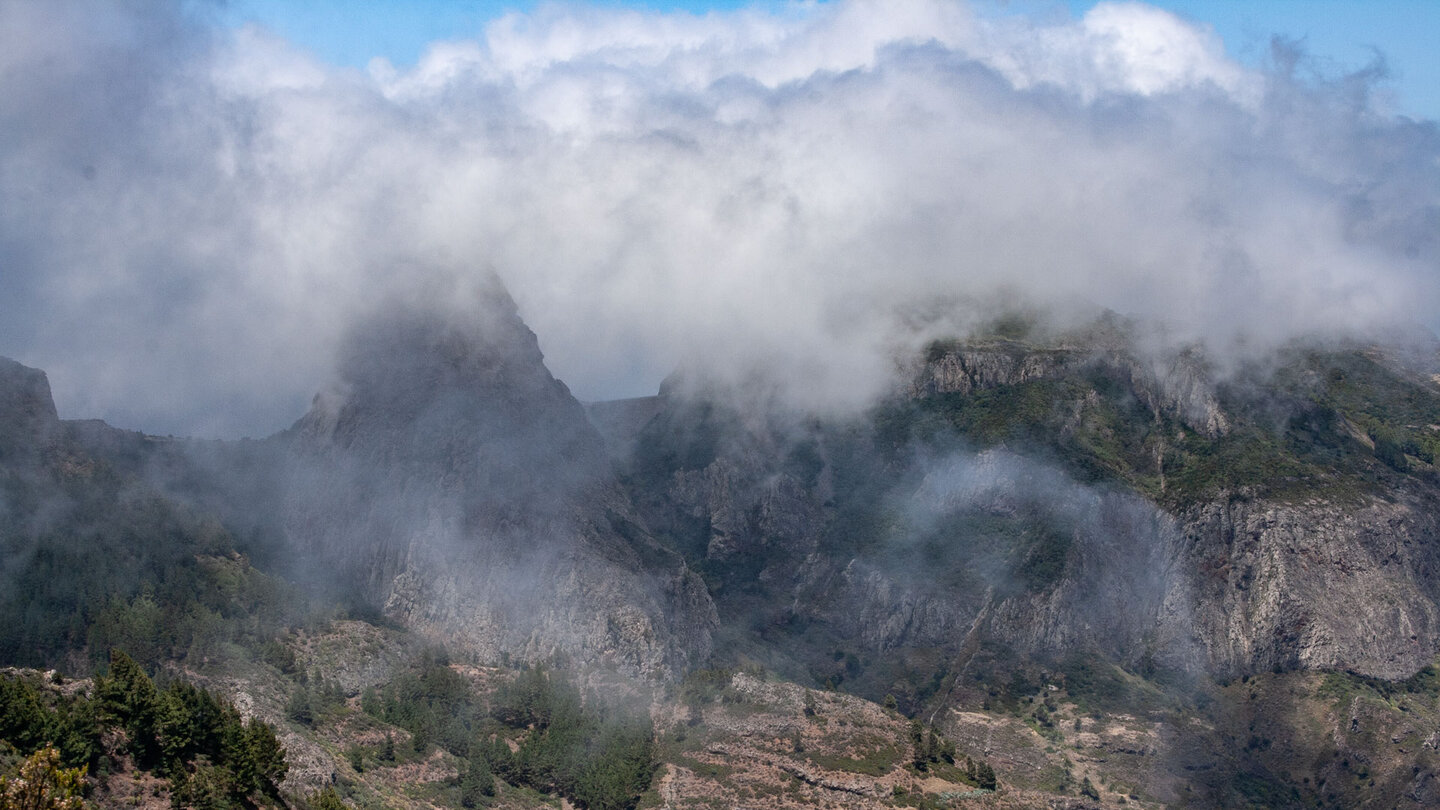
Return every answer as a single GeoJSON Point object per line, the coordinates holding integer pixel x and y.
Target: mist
{"type": "Point", "coordinates": [193, 217]}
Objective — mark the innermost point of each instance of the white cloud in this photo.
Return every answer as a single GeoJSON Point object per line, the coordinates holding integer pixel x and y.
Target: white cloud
{"type": "Point", "coordinates": [191, 216]}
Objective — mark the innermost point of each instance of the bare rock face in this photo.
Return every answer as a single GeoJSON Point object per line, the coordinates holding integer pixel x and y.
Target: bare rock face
{"type": "Point", "coordinates": [1315, 585]}
{"type": "Point", "coordinates": [1179, 384]}
{"type": "Point", "coordinates": [1106, 587]}
{"type": "Point", "coordinates": [968, 368]}
{"type": "Point", "coordinates": [457, 483]}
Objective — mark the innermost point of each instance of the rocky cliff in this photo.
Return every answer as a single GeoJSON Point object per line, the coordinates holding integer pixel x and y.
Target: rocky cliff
{"type": "Point", "coordinates": [1313, 585]}
{"type": "Point", "coordinates": [454, 480]}
{"type": "Point", "coordinates": [1064, 496]}
{"type": "Point", "coordinates": [27, 412]}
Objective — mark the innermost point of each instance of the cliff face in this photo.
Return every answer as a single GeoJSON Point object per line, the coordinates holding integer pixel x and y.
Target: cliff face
{"type": "Point", "coordinates": [1122, 505]}
{"type": "Point", "coordinates": [27, 412]}
{"type": "Point", "coordinates": [1315, 585]}
{"type": "Point", "coordinates": [454, 480]}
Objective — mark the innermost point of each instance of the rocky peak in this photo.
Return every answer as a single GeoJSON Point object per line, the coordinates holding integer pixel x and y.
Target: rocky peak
{"type": "Point", "coordinates": [449, 477]}
{"type": "Point", "coordinates": [455, 392]}
{"type": "Point", "coordinates": [27, 410]}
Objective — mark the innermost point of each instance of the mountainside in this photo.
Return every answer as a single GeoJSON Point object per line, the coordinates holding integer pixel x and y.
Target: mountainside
{"type": "Point", "coordinates": [1070, 496]}
{"type": "Point", "coordinates": [1105, 574]}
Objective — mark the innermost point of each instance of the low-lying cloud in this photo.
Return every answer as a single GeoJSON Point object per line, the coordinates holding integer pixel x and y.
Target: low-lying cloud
{"type": "Point", "coordinates": [190, 215]}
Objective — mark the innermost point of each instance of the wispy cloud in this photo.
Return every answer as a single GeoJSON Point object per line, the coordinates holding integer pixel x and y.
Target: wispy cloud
{"type": "Point", "coordinates": [190, 216]}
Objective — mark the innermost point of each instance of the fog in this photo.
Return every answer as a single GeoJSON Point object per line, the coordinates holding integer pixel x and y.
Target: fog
{"type": "Point", "coordinates": [192, 216]}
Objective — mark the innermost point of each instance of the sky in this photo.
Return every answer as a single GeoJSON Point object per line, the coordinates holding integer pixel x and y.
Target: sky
{"type": "Point", "coordinates": [198, 201]}
{"type": "Point", "coordinates": [1346, 35]}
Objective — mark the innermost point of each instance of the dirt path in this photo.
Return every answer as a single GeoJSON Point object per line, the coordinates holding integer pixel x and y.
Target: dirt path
{"type": "Point", "coordinates": [667, 787]}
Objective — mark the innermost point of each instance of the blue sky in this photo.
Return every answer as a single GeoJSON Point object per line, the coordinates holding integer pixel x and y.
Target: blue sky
{"type": "Point", "coordinates": [1343, 35]}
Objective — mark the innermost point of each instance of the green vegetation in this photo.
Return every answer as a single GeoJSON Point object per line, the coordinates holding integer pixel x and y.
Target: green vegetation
{"type": "Point", "coordinates": [478, 783]}
{"type": "Point", "coordinates": [326, 799]}
{"type": "Point", "coordinates": [874, 761]}
{"type": "Point", "coordinates": [596, 756]}
{"type": "Point", "coordinates": [97, 559]}
{"type": "Point", "coordinates": [598, 759]}
{"type": "Point", "coordinates": [433, 702]}
{"type": "Point", "coordinates": [200, 743]}
{"type": "Point", "coordinates": [41, 783]}
{"type": "Point", "coordinates": [1337, 423]}
{"type": "Point", "coordinates": [1424, 684]}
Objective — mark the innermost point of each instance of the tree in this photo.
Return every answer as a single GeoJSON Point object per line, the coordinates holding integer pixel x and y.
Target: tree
{"type": "Point", "coordinates": [267, 757]}
{"type": "Point", "coordinates": [947, 751]}
{"type": "Point", "coordinates": [129, 695]}
{"type": "Point", "coordinates": [985, 776]}
{"type": "Point", "coordinates": [209, 787]}
{"type": "Point", "coordinates": [917, 745]}
{"type": "Point", "coordinates": [500, 759]}
{"type": "Point", "coordinates": [478, 782]}
{"type": "Point", "coordinates": [300, 707]}
{"type": "Point", "coordinates": [42, 784]}
{"type": "Point", "coordinates": [22, 719]}
{"type": "Point", "coordinates": [326, 799]}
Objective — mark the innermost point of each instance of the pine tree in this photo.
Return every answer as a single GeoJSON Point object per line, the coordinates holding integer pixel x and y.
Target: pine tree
{"type": "Point", "coordinates": [327, 799]}
{"type": "Point", "coordinates": [301, 706]}
{"type": "Point", "coordinates": [477, 784]}
{"type": "Point", "coordinates": [917, 745]}
{"type": "Point", "coordinates": [501, 760]}
{"type": "Point", "coordinates": [985, 776]}
{"type": "Point", "coordinates": [267, 758]}
{"type": "Point", "coordinates": [129, 695]}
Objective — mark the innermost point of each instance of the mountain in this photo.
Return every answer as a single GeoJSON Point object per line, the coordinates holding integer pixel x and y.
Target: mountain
{"type": "Point", "coordinates": [1107, 572]}
{"type": "Point", "coordinates": [452, 479]}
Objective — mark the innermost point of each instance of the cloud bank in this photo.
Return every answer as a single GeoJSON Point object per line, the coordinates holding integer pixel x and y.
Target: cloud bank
{"type": "Point", "coordinates": [190, 216]}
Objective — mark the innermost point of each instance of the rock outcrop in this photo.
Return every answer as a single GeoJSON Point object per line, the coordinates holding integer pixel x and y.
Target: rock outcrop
{"type": "Point", "coordinates": [449, 476]}
{"type": "Point", "coordinates": [27, 411]}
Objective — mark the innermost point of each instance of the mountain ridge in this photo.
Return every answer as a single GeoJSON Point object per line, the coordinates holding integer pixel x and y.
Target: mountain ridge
{"type": "Point", "coordinates": [1023, 513]}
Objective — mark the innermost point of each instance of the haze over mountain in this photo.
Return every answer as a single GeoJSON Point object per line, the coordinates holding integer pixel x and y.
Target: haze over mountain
{"type": "Point", "coordinates": [1036, 518]}
{"type": "Point", "coordinates": [921, 408]}
{"type": "Point", "coordinates": [197, 215]}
